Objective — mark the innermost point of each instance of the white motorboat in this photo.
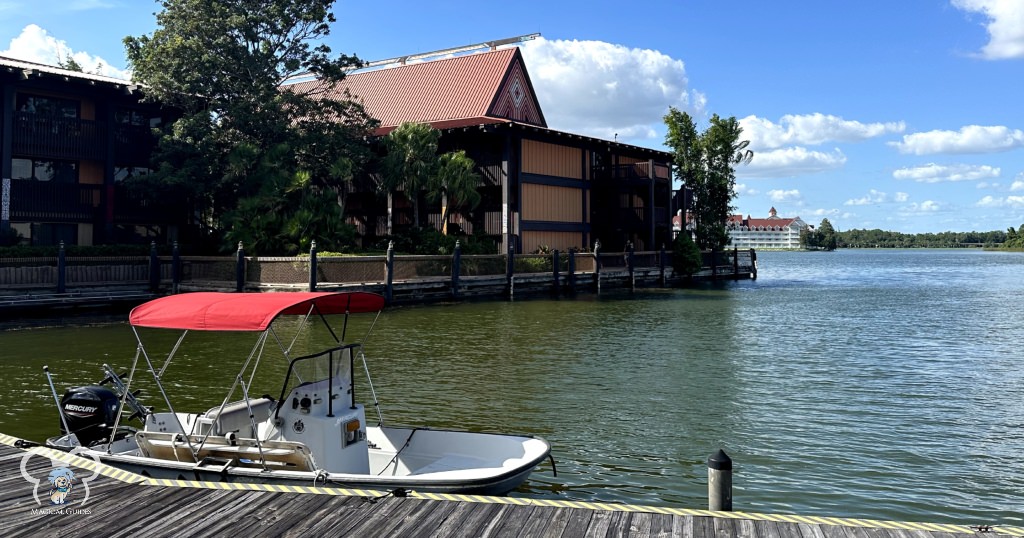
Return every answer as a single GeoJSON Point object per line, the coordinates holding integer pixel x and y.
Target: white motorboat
{"type": "Point", "coordinates": [314, 433]}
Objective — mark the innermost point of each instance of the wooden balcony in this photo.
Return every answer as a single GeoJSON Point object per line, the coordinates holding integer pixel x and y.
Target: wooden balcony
{"type": "Point", "coordinates": [38, 135]}
{"type": "Point", "coordinates": [51, 201]}
{"type": "Point", "coordinates": [632, 172]}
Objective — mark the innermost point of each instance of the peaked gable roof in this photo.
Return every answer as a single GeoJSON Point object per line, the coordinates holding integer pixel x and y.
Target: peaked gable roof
{"type": "Point", "coordinates": [474, 89]}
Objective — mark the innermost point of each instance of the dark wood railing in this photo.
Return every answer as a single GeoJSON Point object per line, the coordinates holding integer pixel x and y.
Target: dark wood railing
{"type": "Point", "coordinates": [71, 138]}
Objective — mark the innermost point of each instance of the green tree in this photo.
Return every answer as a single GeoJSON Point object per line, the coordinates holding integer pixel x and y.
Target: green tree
{"type": "Point", "coordinates": [809, 238]}
{"type": "Point", "coordinates": [706, 163]}
{"type": "Point", "coordinates": [686, 257]}
{"type": "Point", "coordinates": [222, 64]}
{"type": "Point", "coordinates": [826, 236]}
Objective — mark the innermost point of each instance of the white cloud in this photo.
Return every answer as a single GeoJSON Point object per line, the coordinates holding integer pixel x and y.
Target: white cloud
{"type": "Point", "coordinates": [1017, 186]}
{"type": "Point", "coordinates": [779, 196]}
{"type": "Point", "coordinates": [812, 129]}
{"type": "Point", "coordinates": [928, 206]}
{"type": "Point", "coordinates": [792, 161]}
{"type": "Point", "coordinates": [34, 44]}
{"type": "Point", "coordinates": [901, 197]}
{"type": "Point", "coordinates": [824, 213]}
{"type": "Point", "coordinates": [969, 139]}
{"type": "Point", "coordinates": [602, 89]}
{"type": "Point", "coordinates": [1009, 201]}
{"type": "Point", "coordinates": [742, 188]}
{"type": "Point", "coordinates": [937, 173]}
{"type": "Point", "coordinates": [873, 197]}
{"type": "Point", "coordinates": [1005, 26]}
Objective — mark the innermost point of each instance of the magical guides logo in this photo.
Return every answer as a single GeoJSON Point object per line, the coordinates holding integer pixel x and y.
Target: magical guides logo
{"type": "Point", "coordinates": [61, 485]}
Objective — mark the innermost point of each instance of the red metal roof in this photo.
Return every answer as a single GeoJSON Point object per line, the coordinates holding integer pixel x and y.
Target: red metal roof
{"type": "Point", "coordinates": [217, 311]}
{"type": "Point", "coordinates": [453, 92]}
{"type": "Point", "coordinates": [770, 222]}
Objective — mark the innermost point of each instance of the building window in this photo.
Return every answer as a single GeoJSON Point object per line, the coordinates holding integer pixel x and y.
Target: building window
{"type": "Point", "coordinates": [137, 118]}
{"type": "Point", "coordinates": [45, 170]}
{"type": "Point", "coordinates": [47, 106]}
{"type": "Point", "coordinates": [122, 173]}
{"type": "Point", "coordinates": [45, 233]}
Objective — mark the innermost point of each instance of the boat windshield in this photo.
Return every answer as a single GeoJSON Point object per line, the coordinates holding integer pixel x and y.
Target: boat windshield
{"type": "Point", "coordinates": [333, 365]}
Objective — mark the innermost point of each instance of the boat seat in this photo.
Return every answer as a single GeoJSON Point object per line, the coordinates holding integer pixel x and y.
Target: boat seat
{"type": "Point", "coordinates": [235, 416]}
{"type": "Point", "coordinates": [278, 455]}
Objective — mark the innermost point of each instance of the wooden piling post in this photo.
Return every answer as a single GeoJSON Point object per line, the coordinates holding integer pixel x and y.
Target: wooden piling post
{"type": "Point", "coordinates": [456, 269]}
{"type": "Point", "coordinates": [389, 273]}
{"type": "Point", "coordinates": [175, 268]}
{"type": "Point", "coordinates": [597, 265]}
{"type": "Point", "coordinates": [240, 268]}
{"type": "Point", "coordinates": [631, 265]}
{"type": "Point", "coordinates": [62, 267]}
{"type": "Point", "coordinates": [735, 263]}
{"type": "Point", "coordinates": [661, 267]}
{"type": "Point", "coordinates": [510, 267]}
{"type": "Point", "coordinates": [720, 482]}
{"type": "Point", "coordinates": [554, 270]}
{"type": "Point", "coordinates": [572, 271]}
{"type": "Point", "coordinates": [312, 265]}
{"type": "Point", "coordinates": [154, 268]}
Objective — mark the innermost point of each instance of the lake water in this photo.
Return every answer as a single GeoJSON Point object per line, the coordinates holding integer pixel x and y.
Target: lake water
{"type": "Point", "coordinates": [870, 384]}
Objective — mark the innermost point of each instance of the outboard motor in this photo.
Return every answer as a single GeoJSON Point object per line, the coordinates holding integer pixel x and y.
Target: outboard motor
{"type": "Point", "coordinates": [90, 413]}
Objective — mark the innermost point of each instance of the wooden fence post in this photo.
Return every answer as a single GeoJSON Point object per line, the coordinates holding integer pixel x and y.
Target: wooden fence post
{"type": "Point", "coordinates": [175, 268]}
{"type": "Point", "coordinates": [312, 265]}
{"type": "Point", "coordinates": [456, 269]}
{"type": "Point", "coordinates": [735, 263]}
{"type": "Point", "coordinates": [154, 268]}
{"type": "Point", "coordinates": [555, 275]}
{"type": "Point", "coordinates": [510, 267]}
{"type": "Point", "coordinates": [62, 266]}
{"type": "Point", "coordinates": [240, 268]}
{"type": "Point", "coordinates": [389, 273]}
{"type": "Point", "coordinates": [572, 271]}
{"type": "Point", "coordinates": [661, 267]}
{"type": "Point", "coordinates": [631, 265]}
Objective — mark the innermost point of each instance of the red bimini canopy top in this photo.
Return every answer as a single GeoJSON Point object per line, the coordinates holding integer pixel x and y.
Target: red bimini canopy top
{"type": "Point", "coordinates": [219, 311]}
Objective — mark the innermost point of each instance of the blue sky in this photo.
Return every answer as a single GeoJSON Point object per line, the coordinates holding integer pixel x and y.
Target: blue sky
{"type": "Point", "coordinates": [904, 116]}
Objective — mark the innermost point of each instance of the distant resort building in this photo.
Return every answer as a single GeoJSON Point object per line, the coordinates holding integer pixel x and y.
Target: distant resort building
{"type": "Point", "coordinates": [772, 232]}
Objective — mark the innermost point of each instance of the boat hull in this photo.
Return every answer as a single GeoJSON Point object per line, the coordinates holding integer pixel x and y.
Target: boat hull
{"type": "Point", "coordinates": [492, 478]}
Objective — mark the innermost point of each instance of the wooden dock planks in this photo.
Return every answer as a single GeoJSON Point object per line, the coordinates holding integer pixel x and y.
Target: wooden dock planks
{"type": "Point", "coordinates": [119, 508]}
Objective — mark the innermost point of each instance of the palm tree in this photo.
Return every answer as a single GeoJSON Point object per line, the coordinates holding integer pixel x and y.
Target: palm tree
{"type": "Point", "coordinates": [410, 163]}
{"type": "Point", "coordinates": [455, 184]}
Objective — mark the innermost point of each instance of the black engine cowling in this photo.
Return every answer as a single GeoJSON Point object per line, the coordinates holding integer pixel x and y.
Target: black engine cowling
{"type": "Point", "coordinates": [90, 412]}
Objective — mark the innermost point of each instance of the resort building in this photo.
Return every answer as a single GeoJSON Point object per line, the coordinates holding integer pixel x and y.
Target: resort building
{"type": "Point", "coordinates": [67, 140]}
{"type": "Point", "coordinates": [541, 187]}
{"type": "Point", "coordinates": [774, 232]}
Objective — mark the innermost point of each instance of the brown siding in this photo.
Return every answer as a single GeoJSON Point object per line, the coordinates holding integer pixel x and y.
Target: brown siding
{"type": "Point", "coordinates": [561, 241]}
{"type": "Point", "coordinates": [552, 160]}
{"type": "Point", "coordinates": [90, 172]}
{"type": "Point", "coordinates": [558, 204]}
{"type": "Point", "coordinates": [87, 110]}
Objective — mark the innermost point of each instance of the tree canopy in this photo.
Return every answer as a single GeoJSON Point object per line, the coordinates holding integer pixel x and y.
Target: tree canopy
{"type": "Point", "coordinates": [822, 238]}
{"type": "Point", "coordinates": [243, 144]}
{"type": "Point", "coordinates": [706, 162]}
